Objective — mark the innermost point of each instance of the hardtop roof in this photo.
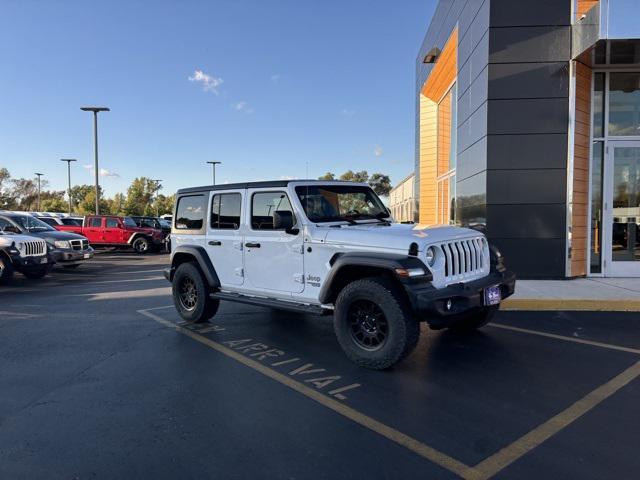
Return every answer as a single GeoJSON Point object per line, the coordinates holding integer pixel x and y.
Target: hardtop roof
{"type": "Point", "coordinates": [264, 184]}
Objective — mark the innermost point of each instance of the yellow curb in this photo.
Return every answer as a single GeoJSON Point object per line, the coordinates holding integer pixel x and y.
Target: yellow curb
{"type": "Point", "coordinates": [573, 305]}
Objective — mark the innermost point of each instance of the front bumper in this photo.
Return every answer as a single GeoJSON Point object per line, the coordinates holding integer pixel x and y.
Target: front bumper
{"type": "Point", "coordinates": [22, 264]}
{"type": "Point", "coordinates": [69, 256]}
{"type": "Point", "coordinates": [430, 303]}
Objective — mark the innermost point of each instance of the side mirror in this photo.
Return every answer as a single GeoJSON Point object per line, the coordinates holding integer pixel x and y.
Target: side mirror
{"type": "Point", "coordinates": [283, 220]}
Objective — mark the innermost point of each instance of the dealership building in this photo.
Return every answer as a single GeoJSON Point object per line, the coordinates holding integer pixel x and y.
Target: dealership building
{"type": "Point", "coordinates": [528, 127]}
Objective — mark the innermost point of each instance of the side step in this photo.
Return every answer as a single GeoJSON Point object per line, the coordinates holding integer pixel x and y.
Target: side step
{"type": "Point", "coordinates": [269, 302]}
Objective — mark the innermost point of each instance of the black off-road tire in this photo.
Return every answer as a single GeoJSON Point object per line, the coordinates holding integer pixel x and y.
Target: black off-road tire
{"type": "Point", "coordinates": [474, 321]}
{"type": "Point", "coordinates": [6, 270]}
{"type": "Point", "coordinates": [196, 306]}
{"type": "Point", "coordinates": [402, 329]}
{"type": "Point", "coordinates": [141, 245]}
{"type": "Point", "coordinates": [36, 274]}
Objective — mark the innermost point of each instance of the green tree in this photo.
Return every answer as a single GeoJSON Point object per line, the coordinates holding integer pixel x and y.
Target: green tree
{"type": "Point", "coordinates": [54, 204]}
{"type": "Point", "coordinates": [7, 200]}
{"type": "Point", "coordinates": [116, 204]}
{"type": "Point", "coordinates": [358, 177]}
{"type": "Point", "coordinates": [328, 176]}
{"type": "Point", "coordinates": [87, 205]}
{"type": "Point", "coordinates": [381, 184]}
{"type": "Point", "coordinates": [140, 195]}
{"type": "Point", "coordinates": [164, 204]}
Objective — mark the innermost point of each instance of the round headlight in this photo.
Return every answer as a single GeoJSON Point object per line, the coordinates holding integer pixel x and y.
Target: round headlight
{"type": "Point", "coordinates": [20, 246]}
{"type": "Point", "coordinates": [431, 256]}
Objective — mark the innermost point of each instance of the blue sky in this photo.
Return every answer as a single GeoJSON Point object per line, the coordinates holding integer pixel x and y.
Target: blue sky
{"type": "Point", "coordinates": [265, 86]}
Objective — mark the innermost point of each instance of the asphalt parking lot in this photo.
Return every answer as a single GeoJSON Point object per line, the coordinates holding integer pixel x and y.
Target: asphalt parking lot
{"type": "Point", "coordinates": [100, 379]}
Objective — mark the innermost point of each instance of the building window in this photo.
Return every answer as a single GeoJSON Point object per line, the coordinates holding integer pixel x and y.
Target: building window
{"type": "Point", "coordinates": [596, 206]}
{"type": "Point", "coordinates": [624, 104]}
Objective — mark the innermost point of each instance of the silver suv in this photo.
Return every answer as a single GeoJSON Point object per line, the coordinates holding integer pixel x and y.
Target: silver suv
{"type": "Point", "coordinates": [331, 248]}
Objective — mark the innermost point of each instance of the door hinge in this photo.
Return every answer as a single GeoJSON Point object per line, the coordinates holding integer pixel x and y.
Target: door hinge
{"type": "Point", "coordinates": [239, 272]}
{"type": "Point", "coordinates": [298, 277]}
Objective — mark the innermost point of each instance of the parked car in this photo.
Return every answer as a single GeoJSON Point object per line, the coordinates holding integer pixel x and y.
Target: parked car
{"type": "Point", "coordinates": [331, 248]}
{"type": "Point", "coordinates": [67, 249]}
{"type": "Point", "coordinates": [55, 221]}
{"type": "Point", "coordinates": [119, 232]}
{"type": "Point", "coordinates": [22, 253]}
{"type": "Point", "coordinates": [157, 224]}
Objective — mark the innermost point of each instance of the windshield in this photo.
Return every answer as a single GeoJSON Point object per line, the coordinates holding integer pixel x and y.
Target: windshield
{"type": "Point", "coordinates": [32, 224]}
{"type": "Point", "coordinates": [128, 221]}
{"type": "Point", "coordinates": [335, 203]}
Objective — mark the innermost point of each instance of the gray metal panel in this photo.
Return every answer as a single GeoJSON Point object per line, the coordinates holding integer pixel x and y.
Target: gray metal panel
{"type": "Point", "coordinates": [507, 13]}
{"type": "Point", "coordinates": [513, 187]}
{"type": "Point", "coordinates": [527, 151]}
{"type": "Point", "coordinates": [527, 221]}
{"type": "Point", "coordinates": [532, 258]}
{"type": "Point", "coordinates": [529, 44]}
{"type": "Point", "coordinates": [548, 115]}
{"type": "Point", "coordinates": [473, 160]}
{"type": "Point", "coordinates": [528, 80]}
{"type": "Point", "coordinates": [471, 13]}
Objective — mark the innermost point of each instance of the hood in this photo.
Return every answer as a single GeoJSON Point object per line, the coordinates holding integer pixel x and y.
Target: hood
{"type": "Point", "coordinates": [396, 236]}
{"type": "Point", "coordinates": [8, 238]}
{"type": "Point", "coordinates": [57, 235]}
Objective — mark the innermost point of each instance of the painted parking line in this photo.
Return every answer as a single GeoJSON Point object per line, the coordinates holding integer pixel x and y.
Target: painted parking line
{"type": "Point", "coordinates": [485, 469]}
{"type": "Point", "coordinates": [564, 338]}
{"type": "Point", "coordinates": [505, 457]}
{"type": "Point", "coordinates": [372, 424]}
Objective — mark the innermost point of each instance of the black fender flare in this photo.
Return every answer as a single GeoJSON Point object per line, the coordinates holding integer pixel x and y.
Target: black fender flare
{"type": "Point", "coordinates": [199, 254]}
{"type": "Point", "coordinates": [388, 262]}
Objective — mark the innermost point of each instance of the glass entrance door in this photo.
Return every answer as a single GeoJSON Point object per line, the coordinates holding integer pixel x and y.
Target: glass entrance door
{"type": "Point", "coordinates": [622, 210]}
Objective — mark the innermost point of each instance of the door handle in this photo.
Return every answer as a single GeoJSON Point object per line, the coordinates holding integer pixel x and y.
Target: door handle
{"type": "Point", "coordinates": [252, 245]}
{"type": "Point", "coordinates": [215, 243]}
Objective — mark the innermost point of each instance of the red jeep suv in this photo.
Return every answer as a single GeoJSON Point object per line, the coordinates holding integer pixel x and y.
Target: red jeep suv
{"type": "Point", "coordinates": [114, 231]}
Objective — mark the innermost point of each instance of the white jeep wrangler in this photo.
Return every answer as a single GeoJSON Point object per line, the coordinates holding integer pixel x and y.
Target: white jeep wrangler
{"type": "Point", "coordinates": [330, 247]}
{"type": "Point", "coordinates": [22, 253]}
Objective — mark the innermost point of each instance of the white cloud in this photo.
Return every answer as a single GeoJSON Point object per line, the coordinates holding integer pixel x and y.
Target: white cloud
{"type": "Point", "coordinates": [275, 78]}
{"type": "Point", "coordinates": [242, 106]}
{"type": "Point", "coordinates": [377, 151]}
{"type": "Point", "coordinates": [347, 112]}
{"type": "Point", "coordinates": [103, 172]}
{"type": "Point", "coordinates": [208, 82]}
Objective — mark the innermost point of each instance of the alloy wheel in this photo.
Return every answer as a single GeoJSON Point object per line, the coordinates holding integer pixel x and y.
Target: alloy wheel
{"type": "Point", "coordinates": [188, 293]}
{"type": "Point", "coordinates": [368, 325]}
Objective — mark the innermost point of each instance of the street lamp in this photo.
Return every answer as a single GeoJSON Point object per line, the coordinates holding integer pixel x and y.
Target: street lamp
{"type": "Point", "coordinates": [69, 160]}
{"type": "Point", "coordinates": [39, 175]}
{"type": "Point", "coordinates": [95, 111]}
{"type": "Point", "coordinates": [213, 164]}
{"type": "Point", "coordinates": [157, 180]}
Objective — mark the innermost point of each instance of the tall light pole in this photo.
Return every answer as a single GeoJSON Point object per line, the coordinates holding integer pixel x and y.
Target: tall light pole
{"type": "Point", "coordinates": [39, 175]}
{"type": "Point", "coordinates": [213, 164]}
{"type": "Point", "coordinates": [157, 180]}
{"type": "Point", "coordinates": [69, 160]}
{"type": "Point", "coordinates": [95, 111]}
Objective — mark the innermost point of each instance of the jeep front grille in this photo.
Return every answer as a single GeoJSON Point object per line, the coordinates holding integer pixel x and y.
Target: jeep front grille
{"type": "Point", "coordinates": [33, 249]}
{"type": "Point", "coordinates": [464, 260]}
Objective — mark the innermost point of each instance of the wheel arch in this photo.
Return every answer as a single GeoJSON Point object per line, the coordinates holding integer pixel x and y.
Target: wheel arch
{"type": "Point", "coordinates": [197, 254]}
{"type": "Point", "coordinates": [348, 267]}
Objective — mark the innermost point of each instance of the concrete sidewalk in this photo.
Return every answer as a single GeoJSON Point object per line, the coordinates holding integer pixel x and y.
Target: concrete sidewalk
{"type": "Point", "coordinates": [597, 294]}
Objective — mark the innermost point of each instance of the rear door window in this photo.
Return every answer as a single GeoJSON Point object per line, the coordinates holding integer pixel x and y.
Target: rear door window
{"type": "Point", "coordinates": [225, 211]}
{"type": "Point", "coordinates": [95, 222]}
{"type": "Point", "coordinates": [112, 223]}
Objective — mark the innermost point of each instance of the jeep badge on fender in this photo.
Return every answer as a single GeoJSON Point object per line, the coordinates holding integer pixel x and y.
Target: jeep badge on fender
{"type": "Point", "coordinates": [331, 248]}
